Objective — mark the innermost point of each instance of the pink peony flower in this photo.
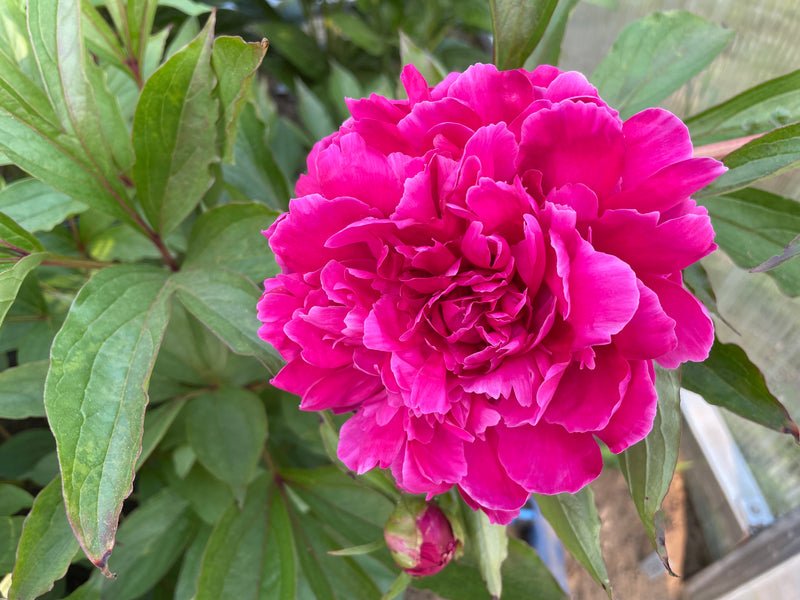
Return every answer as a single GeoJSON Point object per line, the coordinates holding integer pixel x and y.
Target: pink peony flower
{"type": "Point", "coordinates": [420, 537]}
{"type": "Point", "coordinates": [484, 274]}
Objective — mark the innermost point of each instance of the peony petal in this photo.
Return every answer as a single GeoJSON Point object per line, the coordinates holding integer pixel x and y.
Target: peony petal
{"type": "Point", "coordinates": [649, 246]}
{"type": "Point", "coordinates": [654, 139]}
{"type": "Point", "coordinates": [650, 333]}
{"type": "Point", "coordinates": [668, 187]}
{"type": "Point", "coordinates": [310, 222]}
{"type": "Point", "coordinates": [363, 444]}
{"type": "Point", "coordinates": [694, 328]}
{"type": "Point", "coordinates": [496, 149]}
{"type": "Point", "coordinates": [633, 420]}
{"type": "Point", "coordinates": [586, 398]}
{"type": "Point", "coordinates": [574, 143]}
{"type": "Point", "coordinates": [487, 481]}
{"type": "Point", "coordinates": [546, 459]}
{"type": "Point", "coordinates": [497, 96]}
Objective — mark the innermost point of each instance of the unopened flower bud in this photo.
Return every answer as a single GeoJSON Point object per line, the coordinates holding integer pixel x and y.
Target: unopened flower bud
{"type": "Point", "coordinates": [420, 537]}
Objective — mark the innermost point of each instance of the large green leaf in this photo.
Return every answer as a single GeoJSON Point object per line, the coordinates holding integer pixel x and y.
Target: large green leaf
{"type": "Point", "coordinates": [13, 499]}
{"type": "Point", "coordinates": [428, 65]}
{"type": "Point", "coordinates": [22, 391]}
{"type": "Point", "coordinates": [296, 46]}
{"type": "Point", "coordinates": [14, 238]}
{"type": "Point", "coordinates": [234, 62]}
{"type": "Point", "coordinates": [46, 547]}
{"type": "Point", "coordinates": [729, 379]}
{"type": "Point", "coordinates": [649, 465]}
{"type": "Point", "coordinates": [174, 133]}
{"type": "Point", "coordinates": [771, 104]}
{"type": "Point", "coordinates": [10, 532]}
{"type": "Point", "coordinates": [574, 518]}
{"type": "Point", "coordinates": [518, 25]}
{"type": "Point", "coordinates": [313, 112]}
{"type": "Point", "coordinates": [256, 173]}
{"type": "Point", "coordinates": [225, 302]}
{"type": "Point", "coordinates": [156, 423]}
{"type": "Point", "coordinates": [133, 20]}
{"type": "Point", "coordinates": [654, 56]}
{"type": "Point", "coordinates": [20, 95]}
{"type": "Point", "coordinates": [95, 394]}
{"type": "Point", "coordinates": [230, 236]}
{"type": "Point", "coordinates": [36, 206]}
{"type": "Point", "coordinates": [227, 429]}
{"type": "Point", "coordinates": [11, 278]}
{"type": "Point", "coordinates": [753, 225]}
{"type": "Point", "coordinates": [101, 39]}
{"type": "Point", "coordinates": [548, 50]}
{"type": "Point", "coordinates": [76, 88]}
{"type": "Point", "coordinates": [186, 585]}
{"type": "Point", "coordinates": [762, 158]}
{"type": "Point", "coordinates": [488, 544]}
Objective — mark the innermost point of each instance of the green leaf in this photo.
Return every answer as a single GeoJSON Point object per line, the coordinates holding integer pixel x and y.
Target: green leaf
{"type": "Point", "coordinates": [343, 84]}
{"type": "Point", "coordinates": [20, 455]}
{"type": "Point", "coordinates": [771, 104]}
{"type": "Point", "coordinates": [77, 90]}
{"type": "Point", "coordinates": [255, 171]}
{"type": "Point", "coordinates": [762, 158]}
{"type": "Point", "coordinates": [22, 391]}
{"type": "Point", "coordinates": [36, 206]}
{"type": "Point", "coordinates": [150, 540]}
{"type": "Point", "coordinates": [654, 56]}
{"type": "Point", "coordinates": [357, 31]}
{"type": "Point", "coordinates": [488, 543]}
{"type": "Point", "coordinates": [296, 46]}
{"type": "Point", "coordinates": [548, 51]}
{"type": "Point", "coordinates": [230, 236]}
{"type": "Point", "coordinates": [225, 302]}
{"type": "Point", "coordinates": [208, 496]}
{"type": "Point", "coordinates": [428, 65]}
{"type": "Point", "coordinates": [22, 96]}
{"type": "Point", "coordinates": [13, 499]}
{"type": "Point", "coordinates": [234, 62]}
{"type": "Point", "coordinates": [649, 465]}
{"type": "Point", "coordinates": [95, 395]}
{"type": "Point", "coordinates": [133, 20]}
{"type": "Point", "coordinates": [122, 243]}
{"type": "Point", "coordinates": [101, 39]}
{"type": "Point", "coordinates": [10, 531]}
{"type": "Point", "coordinates": [174, 132]}
{"type": "Point", "coordinates": [11, 278]}
{"type": "Point", "coordinates": [729, 379]}
{"type": "Point", "coordinates": [791, 251]}
{"type": "Point", "coordinates": [518, 25]}
{"type": "Point", "coordinates": [752, 225]}
{"type": "Point", "coordinates": [46, 547]}
{"type": "Point", "coordinates": [13, 237]}
{"type": "Point", "coordinates": [524, 573]}
{"type": "Point", "coordinates": [156, 423]}
{"type": "Point", "coordinates": [313, 113]}
{"type": "Point", "coordinates": [233, 561]}
{"type": "Point", "coordinates": [574, 518]}
{"type": "Point", "coordinates": [227, 429]}
{"type": "Point", "coordinates": [186, 586]}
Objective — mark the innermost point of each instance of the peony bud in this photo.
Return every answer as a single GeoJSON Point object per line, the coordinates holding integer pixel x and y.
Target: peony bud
{"type": "Point", "coordinates": [420, 537]}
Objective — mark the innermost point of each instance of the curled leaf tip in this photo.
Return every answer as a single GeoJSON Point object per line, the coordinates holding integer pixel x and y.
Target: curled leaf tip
{"type": "Point", "coordinates": [102, 564]}
{"type": "Point", "coordinates": [792, 430]}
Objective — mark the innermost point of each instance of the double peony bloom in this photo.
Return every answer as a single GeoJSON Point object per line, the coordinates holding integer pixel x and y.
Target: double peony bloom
{"type": "Point", "coordinates": [483, 274]}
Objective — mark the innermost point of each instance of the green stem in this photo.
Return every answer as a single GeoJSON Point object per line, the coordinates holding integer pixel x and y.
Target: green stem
{"type": "Point", "coordinates": [55, 260]}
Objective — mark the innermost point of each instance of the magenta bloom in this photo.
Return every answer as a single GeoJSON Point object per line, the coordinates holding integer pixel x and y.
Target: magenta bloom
{"type": "Point", "coordinates": [484, 274]}
{"type": "Point", "coordinates": [420, 537]}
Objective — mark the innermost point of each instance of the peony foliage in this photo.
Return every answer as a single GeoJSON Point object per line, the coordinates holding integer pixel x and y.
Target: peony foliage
{"type": "Point", "coordinates": [487, 271]}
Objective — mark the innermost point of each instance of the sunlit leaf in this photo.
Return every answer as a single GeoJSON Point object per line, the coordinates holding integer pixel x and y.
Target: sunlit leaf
{"type": "Point", "coordinates": [95, 394]}
{"type": "Point", "coordinates": [654, 56]}
{"type": "Point", "coordinates": [762, 158]}
{"type": "Point", "coordinates": [649, 465]}
{"type": "Point", "coordinates": [753, 225]}
{"type": "Point", "coordinates": [12, 276]}
{"type": "Point", "coordinates": [729, 379]}
{"type": "Point", "coordinates": [36, 206]}
{"type": "Point", "coordinates": [174, 134]}
{"type": "Point", "coordinates": [768, 105]}
{"type": "Point", "coordinates": [518, 25]}
{"type": "Point", "coordinates": [574, 518]}
{"type": "Point", "coordinates": [234, 62]}
{"type": "Point", "coordinates": [46, 547]}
